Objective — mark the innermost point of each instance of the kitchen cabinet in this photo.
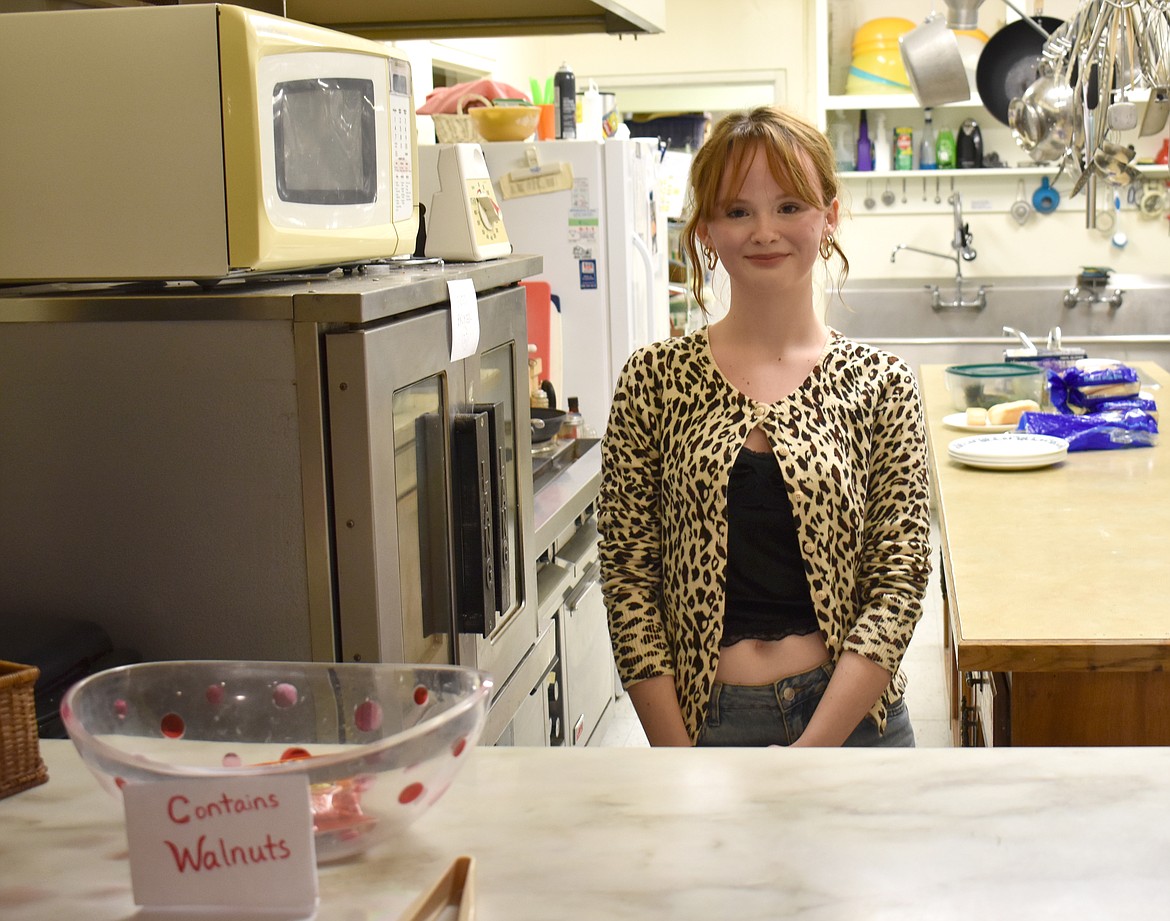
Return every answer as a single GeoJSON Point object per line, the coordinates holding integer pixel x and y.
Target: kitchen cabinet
{"type": "Point", "coordinates": [567, 481]}
{"type": "Point", "coordinates": [925, 192]}
{"type": "Point", "coordinates": [834, 22]}
{"type": "Point", "coordinates": [1058, 624]}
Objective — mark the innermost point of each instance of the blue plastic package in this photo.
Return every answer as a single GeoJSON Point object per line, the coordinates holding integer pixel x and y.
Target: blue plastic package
{"type": "Point", "coordinates": [1100, 431]}
{"type": "Point", "coordinates": [1077, 389]}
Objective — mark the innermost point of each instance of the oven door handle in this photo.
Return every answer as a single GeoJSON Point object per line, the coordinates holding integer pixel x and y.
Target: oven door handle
{"type": "Point", "coordinates": [475, 553]}
{"type": "Point", "coordinates": [502, 510]}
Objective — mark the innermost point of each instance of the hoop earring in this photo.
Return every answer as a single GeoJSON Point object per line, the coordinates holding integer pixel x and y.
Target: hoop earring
{"type": "Point", "coordinates": [828, 246]}
{"type": "Point", "coordinates": [711, 258]}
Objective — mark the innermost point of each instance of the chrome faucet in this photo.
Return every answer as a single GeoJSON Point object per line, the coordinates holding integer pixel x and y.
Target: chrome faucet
{"type": "Point", "coordinates": [963, 252]}
{"type": "Point", "coordinates": [962, 242]}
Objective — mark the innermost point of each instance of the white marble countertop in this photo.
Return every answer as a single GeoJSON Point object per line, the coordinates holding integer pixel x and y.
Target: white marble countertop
{"type": "Point", "coordinates": [697, 834]}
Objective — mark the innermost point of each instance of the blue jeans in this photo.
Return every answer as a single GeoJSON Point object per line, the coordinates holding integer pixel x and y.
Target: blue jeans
{"type": "Point", "coordinates": [776, 714]}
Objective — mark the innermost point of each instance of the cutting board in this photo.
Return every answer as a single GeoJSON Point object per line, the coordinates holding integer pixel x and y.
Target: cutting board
{"type": "Point", "coordinates": [544, 332]}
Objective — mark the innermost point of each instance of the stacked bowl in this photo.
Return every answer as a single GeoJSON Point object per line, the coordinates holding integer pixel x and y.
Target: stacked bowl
{"type": "Point", "coordinates": [877, 60]}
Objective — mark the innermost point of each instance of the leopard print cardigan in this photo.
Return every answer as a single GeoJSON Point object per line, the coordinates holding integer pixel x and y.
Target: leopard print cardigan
{"type": "Point", "coordinates": [851, 443]}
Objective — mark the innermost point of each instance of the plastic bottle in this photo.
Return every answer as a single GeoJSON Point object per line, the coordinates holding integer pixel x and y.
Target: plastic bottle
{"type": "Point", "coordinates": [903, 148]}
{"type": "Point", "coordinates": [926, 154]}
{"type": "Point", "coordinates": [844, 147]}
{"type": "Point", "coordinates": [590, 128]}
{"type": "Point", "coordinates": [944, 150]}
{"type": "Point", "coordinates": [882, 147]}
{"type": "Point", "coordinates": [565, 93]}
{"type": "Point", "coordinates": [864, 146]}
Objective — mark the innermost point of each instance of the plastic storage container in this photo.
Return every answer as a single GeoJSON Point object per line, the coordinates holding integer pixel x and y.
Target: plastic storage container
{"type": "Point", "coordinates": [987, 385]}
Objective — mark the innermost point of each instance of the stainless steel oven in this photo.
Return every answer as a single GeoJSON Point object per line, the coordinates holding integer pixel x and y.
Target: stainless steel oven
{"type": "Point", "coordinates": [432, 490]}
{"type": "Point", "coordinates": [287, 469]}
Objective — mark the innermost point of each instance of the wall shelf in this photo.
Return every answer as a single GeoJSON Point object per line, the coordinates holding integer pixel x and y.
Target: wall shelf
{"type": "Point", "coordinates": [854, 102]}
{"type": "Point", "coordinates": [1148, 171]}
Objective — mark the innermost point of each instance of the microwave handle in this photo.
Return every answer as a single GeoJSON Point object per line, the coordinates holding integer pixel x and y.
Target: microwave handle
{"type": "Point", "coordinates": [475, 564]}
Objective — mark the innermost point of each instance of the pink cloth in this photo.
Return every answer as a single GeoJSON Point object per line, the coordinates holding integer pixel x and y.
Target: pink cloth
{"type": "Point", "coordinates": [445, 100]}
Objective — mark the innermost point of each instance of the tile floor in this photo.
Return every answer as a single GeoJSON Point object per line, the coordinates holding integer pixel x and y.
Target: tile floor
{"type": "Point", "coordinates": [926, 693]}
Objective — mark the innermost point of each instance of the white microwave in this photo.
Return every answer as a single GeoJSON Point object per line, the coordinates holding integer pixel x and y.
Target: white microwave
{"type": "Point", "coordinates": [198, 142]}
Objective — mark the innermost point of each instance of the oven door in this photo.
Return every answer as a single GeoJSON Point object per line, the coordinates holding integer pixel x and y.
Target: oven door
{"type": "Point", "coordinates": [496, 379]}
{"type": "Point", "coordinates": [431, 518]}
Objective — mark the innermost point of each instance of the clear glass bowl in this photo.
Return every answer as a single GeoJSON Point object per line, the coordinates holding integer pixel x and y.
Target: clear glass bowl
{"type": "Point", "coordinates": [379, 743]}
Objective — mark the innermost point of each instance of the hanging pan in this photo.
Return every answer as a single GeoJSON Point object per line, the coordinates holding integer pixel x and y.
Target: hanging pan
{"type": "Point", "coordinates": [1010, 63]}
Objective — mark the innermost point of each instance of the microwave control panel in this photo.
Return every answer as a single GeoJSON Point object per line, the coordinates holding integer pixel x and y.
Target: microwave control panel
{"type": "Point", "coordinates": [401, 139]}
{"type": "Point", "coordinates": [463, 218]}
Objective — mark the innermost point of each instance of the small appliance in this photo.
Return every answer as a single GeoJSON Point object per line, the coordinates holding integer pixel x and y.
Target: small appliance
{"type": "Point", "coordinates": [462, 218]}
{"type": "Point", "coordinates": [198, 141]}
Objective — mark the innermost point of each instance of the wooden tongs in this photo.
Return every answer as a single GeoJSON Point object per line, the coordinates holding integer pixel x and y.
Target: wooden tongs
{"type": "Point", "coordinates": [451, 897]}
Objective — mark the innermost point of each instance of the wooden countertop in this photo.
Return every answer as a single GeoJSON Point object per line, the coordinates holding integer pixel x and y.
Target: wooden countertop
{"type": "Point", "coordinates": [694, 835]}
{"type": "Point", "coordinates": [1060, 568]}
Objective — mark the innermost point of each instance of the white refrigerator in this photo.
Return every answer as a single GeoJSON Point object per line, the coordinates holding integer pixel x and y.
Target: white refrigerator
{"type": "Point", "coordinates": [592, 210]}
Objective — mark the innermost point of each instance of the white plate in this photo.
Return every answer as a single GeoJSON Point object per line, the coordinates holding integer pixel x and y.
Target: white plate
{"type": "Point", "coordinates": [1008, 451]}
{"type": "Point", "coordinates": [959, 421]}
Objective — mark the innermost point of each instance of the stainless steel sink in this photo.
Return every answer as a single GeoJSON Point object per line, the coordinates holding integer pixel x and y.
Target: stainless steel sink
{"type": "Point", "coordinates": [1127, 317]}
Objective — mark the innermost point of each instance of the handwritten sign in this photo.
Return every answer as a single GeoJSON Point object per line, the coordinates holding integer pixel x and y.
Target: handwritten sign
{"type": "Point", "coordinates": [464, 318]}
{"type": "Point", "coordinates": [237, 842]}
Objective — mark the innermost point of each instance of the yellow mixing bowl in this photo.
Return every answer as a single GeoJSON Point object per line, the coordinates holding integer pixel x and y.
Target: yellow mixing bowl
{"type": "Point", "coordinates": [884, 65]}
{"type": "Point", "coordinates": [885, 28]}
{"type": "Point", "coordinates": [505, 123]}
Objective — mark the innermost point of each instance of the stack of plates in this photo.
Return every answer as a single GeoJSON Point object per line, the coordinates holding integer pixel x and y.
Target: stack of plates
{"type": "Point", "coordinates": [1008, 451]}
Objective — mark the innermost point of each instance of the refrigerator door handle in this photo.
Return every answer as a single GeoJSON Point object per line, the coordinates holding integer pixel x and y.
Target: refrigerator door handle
{"type": "Point", "coordinates": [638, 319]}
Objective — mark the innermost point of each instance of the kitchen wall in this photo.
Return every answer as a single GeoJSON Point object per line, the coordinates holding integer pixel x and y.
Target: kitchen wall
{"type": "Point", "coordinates": [743, 46]}
{"type": "Point", "coordinates": [736, 43]}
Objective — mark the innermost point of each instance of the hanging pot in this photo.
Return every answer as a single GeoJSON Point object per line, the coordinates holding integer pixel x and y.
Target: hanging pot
{"type": "Point", "coordinates": [1010, 63]}
{"type": "Point", "coordinates": [934, 64]}
{"type": "Point", "coordinates": [1044, 119]}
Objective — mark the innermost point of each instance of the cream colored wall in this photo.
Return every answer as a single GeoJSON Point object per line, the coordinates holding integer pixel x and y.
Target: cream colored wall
{"type": "Point", "coordinates": [747, 36]}
{"type": "Point", "coordinates": [1053, 244]}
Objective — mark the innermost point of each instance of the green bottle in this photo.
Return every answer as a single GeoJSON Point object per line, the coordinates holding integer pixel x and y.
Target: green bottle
{"type": "Point", "coordinates": [944, 151]}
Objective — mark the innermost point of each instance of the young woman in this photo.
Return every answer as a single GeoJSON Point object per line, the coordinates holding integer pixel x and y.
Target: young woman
{"type": "Point", "coordinates": [764, 499]}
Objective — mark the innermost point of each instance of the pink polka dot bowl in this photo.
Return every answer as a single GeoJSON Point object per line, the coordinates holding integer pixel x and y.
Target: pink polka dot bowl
{"type": "Point", "coordinates": [378, 743]}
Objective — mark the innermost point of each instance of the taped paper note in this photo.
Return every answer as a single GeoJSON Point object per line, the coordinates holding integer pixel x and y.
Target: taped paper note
{"type": "Point", "coordinates": [537, 180]}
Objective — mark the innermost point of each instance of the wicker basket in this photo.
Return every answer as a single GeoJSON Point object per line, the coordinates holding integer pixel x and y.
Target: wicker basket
{"type": "Point", "coordinates": [458, 129]}
{"type": "Point", "coordinates": [21, 766]}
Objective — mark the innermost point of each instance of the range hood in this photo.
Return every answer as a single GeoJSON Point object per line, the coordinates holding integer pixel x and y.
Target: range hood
{"type": "Point", "coordinates": [386, 20]}
{"type": "Point", "coordinates": [390, 20]}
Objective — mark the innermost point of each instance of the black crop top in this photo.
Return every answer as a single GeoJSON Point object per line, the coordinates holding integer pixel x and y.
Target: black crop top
{"type": "Point", "coordinates": [767, 591]}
